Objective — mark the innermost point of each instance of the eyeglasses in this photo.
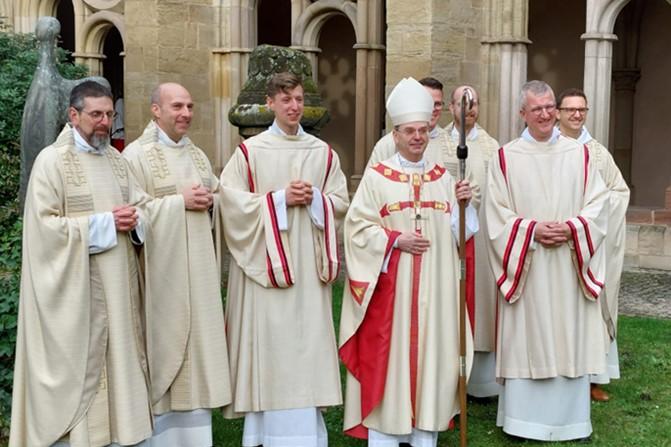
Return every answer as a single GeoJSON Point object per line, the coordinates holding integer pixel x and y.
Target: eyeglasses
{"type": "Point", "coordinates": [410, 132]}
{"type": "Point", "coordinates": [572, 110]}
{"type": "Point", "coordinates": [97, 115]}
{"type": "Point", "coordinates": [439, 104]}
{"type": "Point", "coordinates": [538, 110]}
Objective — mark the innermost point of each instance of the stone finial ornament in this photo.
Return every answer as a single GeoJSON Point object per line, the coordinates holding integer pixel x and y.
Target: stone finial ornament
{"type": "Point", "coordinates": [45, 111]}
{"type": "Point", "coordinates": [250, 113]}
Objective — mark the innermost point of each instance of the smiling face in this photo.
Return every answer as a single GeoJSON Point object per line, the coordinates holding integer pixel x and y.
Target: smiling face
{"type": "Point", "coordinates": [539, 114]}
{"type": "Point", "coordinates": [438, 104]}
{"type": "Point", "coordinates": [571, 114]}
{"type": "Point", "coordinates": [411, 139]}
{"type": "Point", "coordinates": [455, 108]}
{"type": "Point", "coordinates": [174, 110]}
{"type": "Point", "coordinates": [288, 108]}
{"type": "Point", "coordinates": [94, 120]}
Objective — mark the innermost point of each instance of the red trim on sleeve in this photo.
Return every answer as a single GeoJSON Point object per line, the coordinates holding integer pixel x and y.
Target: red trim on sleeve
{"type": "Point", "coordinates": [586, 150]}
{"type": "Point", "coordinates": [509, 247]}
{"type": "Point", "coordinates": [588, 236]}
{"type": "Point", "coordinates": [329, 161]}
{"type": "Point", "coordinates": [578, 255]}
{"type": "Point", "coordinates": [271, 273]}
{"type": "Point", "coordinates": [250, 179]}
{"type": "Point", "coordinates": [502, 164]}
{"type": "Point", "coordinates": [523, 257]}
{"type": "Point", "coordinates": [327, 242]}
{"type": "Point", "coordinates": [278, 238]}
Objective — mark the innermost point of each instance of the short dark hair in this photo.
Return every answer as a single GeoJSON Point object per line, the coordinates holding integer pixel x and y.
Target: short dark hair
{"type": "Point", "coordinates": [282, 82]}
{"type": "Point", "coordinates": [88, 89]}
{"type": "Point", "coordinates": [431, 83]}
{"type": "Point", "coordinates": [570, 92]}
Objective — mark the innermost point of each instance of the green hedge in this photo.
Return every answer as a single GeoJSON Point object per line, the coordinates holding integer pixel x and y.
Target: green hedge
{"type": "Point", "coordinates": [18, 59]}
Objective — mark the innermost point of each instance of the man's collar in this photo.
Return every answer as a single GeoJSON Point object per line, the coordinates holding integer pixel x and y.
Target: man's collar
{"type": "Point", "coordinates": [472, 134]}
{"type": "Point", "coordinates": [526, 135]}
{"type": "Point", "coordinates": [409, 164]}
{"type": "Point", "coordinates": [82, 145]}
{"type": "Point", "coordinates": [277, 130]}
{"type": "Point", "coordinates": [163, 138]}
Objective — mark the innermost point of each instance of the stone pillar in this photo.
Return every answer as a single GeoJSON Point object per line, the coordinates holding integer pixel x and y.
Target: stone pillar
{"type": "Point", "coordinates": [94, 62]}
{"type": "Point", "coordinates": [624, 81]}
{"type": "Point", "coordinates": [369, 66]}
{"type": "Point", "coordinates": [230, 59]}
{"type": "Point", "coordinates": [505, 66]}
{"type": "Point", "coordinates": [597, 82]}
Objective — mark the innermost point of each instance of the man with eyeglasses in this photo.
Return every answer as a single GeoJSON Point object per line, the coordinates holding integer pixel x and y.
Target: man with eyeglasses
{"type": "Point", "coordinates": [186, 337]}
{"type": "Point", "coordinates": [399, 336]}
{"type": "Point", "coordinates": [385, 147]}
{"type": "Point", "coordinates": [481, 286]}
{"type": "Point", "coordinates": [546, 215]}
{"type": "Point", "coordinates": [80, 375]}
{"type": "Point", "coordinates": [571, 115]}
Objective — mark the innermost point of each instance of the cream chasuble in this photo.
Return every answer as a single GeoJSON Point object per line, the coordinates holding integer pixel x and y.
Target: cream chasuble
{"type": "Point", "coordinates": [81, 371]}
{"type": "Point", "coordinates": [399, 336]}
{"type": "Point", "coordinates": [278, 309]}
{"type": "Point", "coordinates": [186, 341]}
{"type": "Point", "coordinates": [549, 316]}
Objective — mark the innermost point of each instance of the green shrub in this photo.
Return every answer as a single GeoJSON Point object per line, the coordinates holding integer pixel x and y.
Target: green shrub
{"type": "Point", "coordinates": [18, 59]}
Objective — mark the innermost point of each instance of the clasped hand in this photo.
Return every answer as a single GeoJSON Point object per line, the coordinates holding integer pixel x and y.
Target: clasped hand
{"type": "Point", "coordinates": [125, 218]}
{"type": "Point", "coordinates": [197, 198]}
{"type": "Point", "coordinates": [552, 234]}
{"type": "Point", "coordinates": [299, 192]}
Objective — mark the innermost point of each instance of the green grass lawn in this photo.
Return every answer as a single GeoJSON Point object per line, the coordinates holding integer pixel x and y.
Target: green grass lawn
{"type": "Point", "coordinates": [638, 414]}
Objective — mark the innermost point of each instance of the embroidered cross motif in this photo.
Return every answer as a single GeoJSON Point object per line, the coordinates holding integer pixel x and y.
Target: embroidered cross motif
{"type": "Point", "coordinates": [74, 175]}
{"type": "Point", "coordinates": [118, 166]}
{"type": "Point", "coordinates": [201, 165]}
{"type": "Point", "coordinates": [158, 163]}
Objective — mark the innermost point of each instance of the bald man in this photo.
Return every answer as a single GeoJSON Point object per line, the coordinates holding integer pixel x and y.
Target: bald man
{"type": "Point", "coordinates": [186, 341]}
{"type": "Point", "coordinates": [481, 146]}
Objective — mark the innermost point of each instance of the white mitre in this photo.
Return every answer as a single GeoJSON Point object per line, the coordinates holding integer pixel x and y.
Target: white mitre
{"type": "Point", "coordinates": [408, 102]}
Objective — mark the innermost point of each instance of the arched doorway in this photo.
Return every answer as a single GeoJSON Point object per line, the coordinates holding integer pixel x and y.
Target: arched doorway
{"type": "Point", "coordinates": [113, 71]}
{"type": "Point", "coordinates": [640, 104]}
{"type": "Point", "coordinates": [337, 84]}
{"type": "Point", "coordinates": [556, 57]}
{"type": "Point", "coordinates": [65, 14]}
{"type": "Point", "coordinates": [273, 22]}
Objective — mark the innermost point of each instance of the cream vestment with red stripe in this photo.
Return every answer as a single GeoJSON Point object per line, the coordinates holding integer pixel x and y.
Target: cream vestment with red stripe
{"type": "Point", "coordinates": [279, 323]}
{"type": "Point", "coordinates": [549, 321]}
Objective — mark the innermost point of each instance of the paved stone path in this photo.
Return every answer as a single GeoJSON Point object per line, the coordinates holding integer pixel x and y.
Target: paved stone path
{"type": "Point", "coordinates": [646, 293]}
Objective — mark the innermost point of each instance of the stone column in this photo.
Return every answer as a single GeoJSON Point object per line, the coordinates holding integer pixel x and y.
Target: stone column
{"type": "Point", "coordinates": [505, 66]}
{"type": "Point", "coordinates": [236, 40]}
{"type": "Point", "coordinates": [94, 62]}
{"type": "Point", "coordinates": [597, 82]}
{"type": "Point", "coordinates": [624, 81]}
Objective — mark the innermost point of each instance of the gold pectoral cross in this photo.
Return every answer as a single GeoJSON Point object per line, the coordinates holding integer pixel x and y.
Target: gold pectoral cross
{"type": "Point", "coordinates": [417, 203]}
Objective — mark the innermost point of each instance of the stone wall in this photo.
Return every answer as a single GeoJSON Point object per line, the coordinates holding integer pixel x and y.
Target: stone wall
{"type": "Point", "coordinates": [170, 41]}
{"type": "Point", "coordinates": [439, 38]}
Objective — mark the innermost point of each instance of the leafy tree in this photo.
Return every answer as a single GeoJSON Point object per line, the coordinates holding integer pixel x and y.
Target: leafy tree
{"type": "Point", "coordinates": [18, 60]}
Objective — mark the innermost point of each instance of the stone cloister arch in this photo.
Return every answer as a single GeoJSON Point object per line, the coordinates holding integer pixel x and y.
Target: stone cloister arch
{"type": "Point", "coordinates": [237, 38]}
{"type": "Point", "coordinates": [599, 37]}
{"type": "Point", "coordinates": [91, 38]}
